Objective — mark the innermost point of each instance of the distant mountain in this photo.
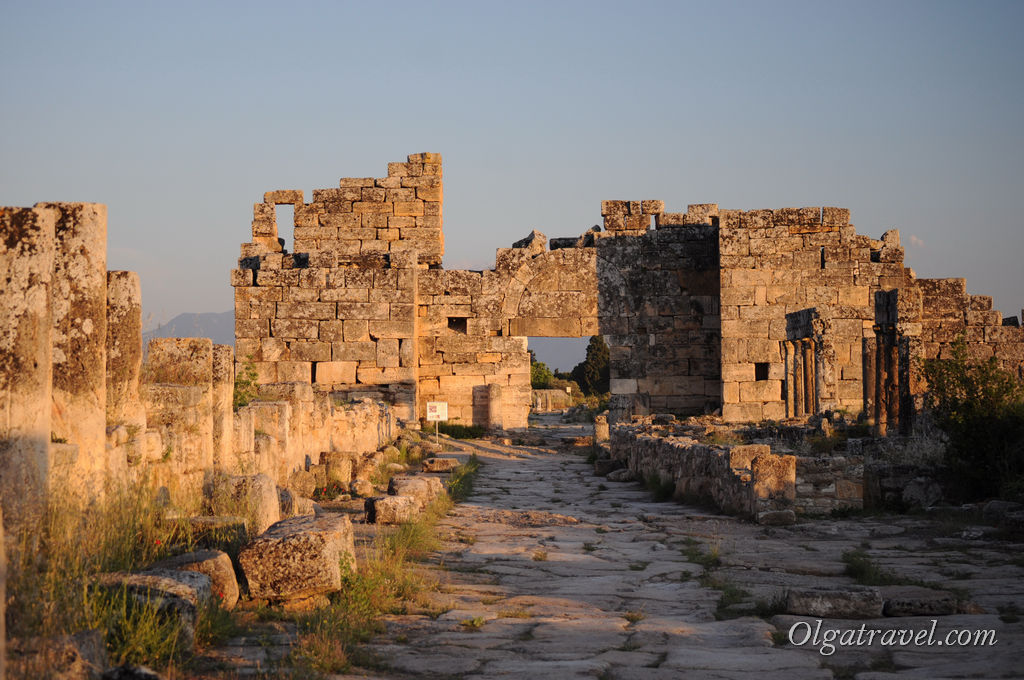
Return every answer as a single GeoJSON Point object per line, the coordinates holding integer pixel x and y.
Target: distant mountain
{"type": "Point", "coordinates": [218, 326]}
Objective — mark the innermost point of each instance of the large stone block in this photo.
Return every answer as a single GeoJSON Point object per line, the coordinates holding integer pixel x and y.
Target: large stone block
{"type": "Point", "coordinates": [124, 349]}
{"type": "Point", "coordinates": [79, 305]}
{"type": "Point", "coordinates": [216, 565]}
{"type": "Point", "coordinates": [181, 594]}
{"type": "Point", "coordinates": [26, 368]}
{"type": "Point", "coordinates": [299, 558]}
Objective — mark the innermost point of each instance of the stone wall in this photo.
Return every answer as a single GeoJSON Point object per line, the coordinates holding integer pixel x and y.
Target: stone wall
{"type": "Point", "coordinates": [829, 483]}
{"type": "Point", "coordinates": [746, 480]}
{"type": "Point", "coordinates": [82, 410]}
{"type": "Point", "coordinates": [777, 265]}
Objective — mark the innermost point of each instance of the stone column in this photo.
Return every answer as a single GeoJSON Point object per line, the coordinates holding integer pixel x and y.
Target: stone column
{"type": "Point", "coordinates": [495, 407]}
{"type": "Point", "coordinates": [787, 347]}
{"type": "Point", "coordinates": [26, 368]}
{"type": "Point", "coordinates": [223, 405]}
{"type": "Point", "coordinates": [124, 350]}
{"type": "Point", "coordinates": [868, 372]}
{"type": "Point", "coordinates": [79, 304]}
{"type": "Point", "coordinates": [810, 398]}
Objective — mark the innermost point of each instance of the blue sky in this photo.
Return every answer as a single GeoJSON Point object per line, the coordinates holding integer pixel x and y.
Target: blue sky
{"type": "Point", "coordinates": [180, 115]}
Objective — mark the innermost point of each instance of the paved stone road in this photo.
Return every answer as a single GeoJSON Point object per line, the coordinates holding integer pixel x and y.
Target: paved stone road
{"type": "Point", "coordinates": [551, 572]}
{"type": "Point", "coordinates": [556, 573]}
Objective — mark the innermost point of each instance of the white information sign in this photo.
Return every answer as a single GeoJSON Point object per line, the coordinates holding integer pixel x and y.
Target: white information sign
{"type": "Point", "coordinates": [437, 411]}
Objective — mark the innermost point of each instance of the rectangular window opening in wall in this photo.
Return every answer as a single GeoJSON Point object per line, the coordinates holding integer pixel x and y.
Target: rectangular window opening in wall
{"type": "Point", "coordinates": [457, 324]}
{"type": "Point", "coordinates": [285, 216]}
{"type": "Point", "coordinates": [823, 257]}
{"type": "Point", "coordinates": [761, 371]}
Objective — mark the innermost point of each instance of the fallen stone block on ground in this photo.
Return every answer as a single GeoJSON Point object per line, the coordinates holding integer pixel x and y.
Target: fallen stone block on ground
{"type": "Point", "coordinates": [440, 464]}
{"type": "Point", "coordinates": [215, 564]}
{"type": "Point", "coordinates": [299, 558]}
{"type": "Point", "coordinates": [391, 509]}
{"type": "Point", "coordinates": [179, 594]}
{"type": "Point", "coordinates": [850, 603]}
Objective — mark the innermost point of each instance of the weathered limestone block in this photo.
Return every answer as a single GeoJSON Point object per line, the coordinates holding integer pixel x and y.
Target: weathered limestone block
{"type": "Point", "coordinates": [223, 381]}
{"type": "Point", "coordinates": [299, 558]}
{"type": "Point", "coordinates": [26, 368]}
{"type": "Point", "coordinates": [440, 464]}
{"type": "Point", "coordinates": [253, 496]}
{"type": "Point", "coordinates": [917, 601]}
{"type": "Point", "coordinates": [535, 243]}
{"type": "Point", "coordinates": [851, 603]}
{"type": "Point", "coordinates": [79, 303]}
{"type": "Point", "coordinates": [338, 465]}
{"type": "Point", "coordinates": [181, 594]}
{"type": "Point", "coordinates": [216, 565]}
{"type": "Point", "coordinates": [774, 478]}
{"type": "Point", "coordinates": [423, 489]}
{"type": "Point", "coordinates": [391, 509]}
{"type": "Point", "coordinates": [124, 349]}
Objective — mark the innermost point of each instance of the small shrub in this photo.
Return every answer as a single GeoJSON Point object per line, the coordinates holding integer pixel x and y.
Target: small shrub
{"type": "Point", "coordinates": [865, 571]}
{"type": "Point", "coordinates": [246, 386]}
{"type": "Point", "coordinates": [540, 555]}
{"type": "Point", "coordinates": [634, 615]}
{"type": "Point", "coordinates": [662, 489]}
{"type": "Point", "coordinates": [474, 624]}
{"type": "Point", "coordinates": [980, 408]}
{"type": "Point", "coordinates": [456, 431]}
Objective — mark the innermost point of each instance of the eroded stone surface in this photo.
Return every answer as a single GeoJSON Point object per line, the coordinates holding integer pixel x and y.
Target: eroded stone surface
{"type": "Point", "coordinates": [299, 558]}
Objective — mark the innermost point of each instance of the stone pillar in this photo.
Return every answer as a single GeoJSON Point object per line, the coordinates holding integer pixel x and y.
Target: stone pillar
{"type": "Point", "coordinates": [810, 398]}
{"type": "Point", "coordinates": [124, 350]}
{"type": "Point", "coordinates": [798, 381]}
{"type": "Point", "coordinates": [495, 407]}
{"type": "Point", "coordinates": [787, 347]}
{"type": "Point", "coordinates": [223, 405]}
{"type": "Point", "coordinates": [892, 386]}
{"type": "Point", "coordinates": [868, 370]}
{"type": "Point", "coordinates": [26, 368]}
{"type": "Point", "coordinates": [880, 378]}
{"type": "Point", "coordinates": [79, 304]}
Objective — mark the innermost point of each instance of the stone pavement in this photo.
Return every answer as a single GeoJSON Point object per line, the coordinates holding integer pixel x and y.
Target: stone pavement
{"type": "Point", "coordinates": [550, 572]}
{"type": "Point", "coordinates": [553, 572]}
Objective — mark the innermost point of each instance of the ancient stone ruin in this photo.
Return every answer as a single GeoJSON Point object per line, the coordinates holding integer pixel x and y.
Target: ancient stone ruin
{"type": "Point", "coordinates": [761, 314]}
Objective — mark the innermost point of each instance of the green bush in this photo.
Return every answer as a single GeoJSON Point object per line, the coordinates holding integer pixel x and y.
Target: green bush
{"type": "Point", "coordinates": [980, 408]}
{"type": "Point", "coordinates": [245, 384]}
{"type": "Point", "coordinates": [457, 431]}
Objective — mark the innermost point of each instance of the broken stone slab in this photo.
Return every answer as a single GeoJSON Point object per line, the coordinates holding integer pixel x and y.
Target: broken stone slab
{"type": "Point", "coordinates": [253, 496]}
{"type": "Point", "coordinates": [621, 475]}
{"type": "Point", "coordinates": [299, 558]}
{"type": "Point", "coordinates": [423, 489]}
{"type": "Point", "coordinates": [776, 517]}
{"type": "Point", "coordinates": [534, 243]}
{"type": "Point", "coordinates": [996, 511]}
{"type": "Point", "coordinates": [361, 487]}
{"type": "Point", "coordinates": [67, 657]}
{"type": "Point", "coordinates": [854, 602]}
{"type": "Point", "coordinates": [603, 466]}
{"type": "Point", "coordinates": [440, 464]}
{"type": "Point", "coordinates": [294, 505]}
{"type": "Point", "coordinates": [391, 509]}
{"type": "Point", "coordinates": [215, 564]}
{"type": "Point", "coordinates": [917, 601]}
{"type": "Point", "coordinates": [179, 594]}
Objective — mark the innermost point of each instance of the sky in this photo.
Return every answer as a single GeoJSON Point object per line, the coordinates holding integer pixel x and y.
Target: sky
{"type": "Point", "coordinates": [180, 115]}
